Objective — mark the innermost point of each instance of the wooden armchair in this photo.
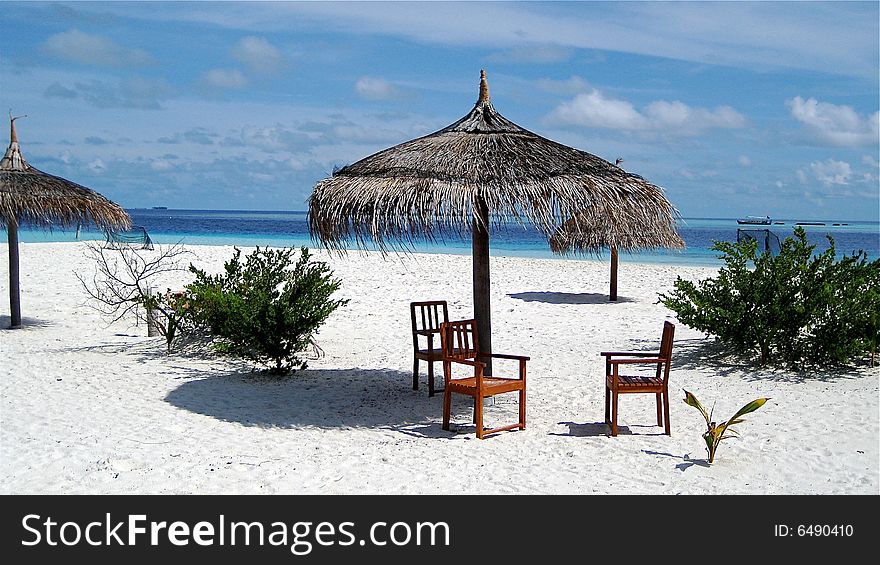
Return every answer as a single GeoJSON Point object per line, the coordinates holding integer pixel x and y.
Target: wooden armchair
{"type": "Point", "coordinates": [616, 384]}
{"type": "Point", "coordinates": [461, 350]}
{"type": "Point", "coordinates": [426, 319]}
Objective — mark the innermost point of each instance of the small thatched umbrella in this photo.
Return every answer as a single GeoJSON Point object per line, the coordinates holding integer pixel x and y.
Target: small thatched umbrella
{"type": "Point", "coordinates": [652, 226]}
{"type": "Point", "coordinates": [450, 181]}
{"type": "Point", "coordinates": [30, 195]}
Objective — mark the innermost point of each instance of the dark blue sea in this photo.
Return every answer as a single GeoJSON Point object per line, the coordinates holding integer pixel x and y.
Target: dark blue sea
{"type": "Point", "coordinates": [277, 229]}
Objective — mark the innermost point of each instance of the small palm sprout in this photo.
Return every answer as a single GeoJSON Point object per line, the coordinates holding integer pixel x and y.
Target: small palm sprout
{"type": "Point", "coordinates": [717, 432]}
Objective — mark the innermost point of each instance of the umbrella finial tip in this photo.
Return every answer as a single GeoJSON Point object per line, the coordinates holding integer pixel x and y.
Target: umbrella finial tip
{"type": "Point", "coordinates": [13, 138]}
{"type": "Point", "coordinates": [484, 87]}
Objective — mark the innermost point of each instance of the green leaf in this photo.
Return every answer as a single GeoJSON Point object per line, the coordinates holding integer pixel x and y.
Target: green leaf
{"type": "Point", "coordinates": [691, 400]}
{"type": "Point", "coordinates": [750, 407]}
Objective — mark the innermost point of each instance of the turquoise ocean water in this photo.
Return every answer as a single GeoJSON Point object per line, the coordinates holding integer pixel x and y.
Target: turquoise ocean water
{"type": "Point", "coordinates": [277, 229]}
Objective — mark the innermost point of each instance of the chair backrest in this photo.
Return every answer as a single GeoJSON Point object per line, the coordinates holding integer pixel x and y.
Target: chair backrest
{"type": "Point", "coordinates": [458, 339]}
{"type": "Point", "coordinates": [666, 348]}
{"type": "Point", "coordinates": [427, 316]}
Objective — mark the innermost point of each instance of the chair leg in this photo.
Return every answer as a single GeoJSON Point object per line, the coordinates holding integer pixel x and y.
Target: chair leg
{"type": "Point", "coordinates": [614, 402]}
{"type": "Point", "coordinates": [522, 409]}
{"type": "Point", "coordinates": [447, 408]}
{"type": "Point", "coordinates": [666, 409]}
{"type": "Point", "coordinates": [478, 416]}
{"type": "Point", "coordinates": [416, 373]}
{"type": "Point", "coordinates": [431, 378]}
{"type": "Point", "coordinates": [607, 406]}
{"type": "Point", "coordinates": [659, 410]}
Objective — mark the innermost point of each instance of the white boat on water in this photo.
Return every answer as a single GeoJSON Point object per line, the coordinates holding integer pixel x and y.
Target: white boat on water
{"type": "Point", "coordinates": [755, 220]}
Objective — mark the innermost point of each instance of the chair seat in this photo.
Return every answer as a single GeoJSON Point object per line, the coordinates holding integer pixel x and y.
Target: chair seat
{"type": "Point", "coordinates": [625, 382]}
{"type": "Point", "coordinates": [435, 353]}
{"type": "Point", "coordinates": [490, 385]}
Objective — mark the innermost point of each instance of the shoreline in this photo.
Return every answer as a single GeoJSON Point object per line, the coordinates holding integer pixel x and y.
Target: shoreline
{"type": "Point", "coordinates": [92, 408]}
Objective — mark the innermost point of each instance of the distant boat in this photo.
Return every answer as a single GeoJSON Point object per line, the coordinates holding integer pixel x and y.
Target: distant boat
{"type": "Point", "coordinates": [160, 207]}
{"type": "Point", "coordinates": [755, 220]}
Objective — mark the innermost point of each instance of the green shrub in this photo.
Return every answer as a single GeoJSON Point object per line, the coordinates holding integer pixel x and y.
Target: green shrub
{"type": "Point", "coordinates": [266, 309]}
{"type": "Point", "coordinates": [794, 307]}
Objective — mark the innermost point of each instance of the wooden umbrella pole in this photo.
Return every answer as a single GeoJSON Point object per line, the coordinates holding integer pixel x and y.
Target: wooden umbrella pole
{"type": "Point", "coordinates": [14, 291]}
{"type": "Point", "coordinates": [482, 310]}
{"type": "Point", "coordinates": [612, 295]}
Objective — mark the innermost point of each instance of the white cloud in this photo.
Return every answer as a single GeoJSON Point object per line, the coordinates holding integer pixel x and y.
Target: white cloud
{"type": "Point", "coordinates": [831, 172]}
{"type": "Point", "coordinates": [779, 184]}
{"type": "Point", "coordinates": [744, 161]}
{"type": "Point", "coordinates": [160, 165]}
{"type": "Point", "coordinates": [870, 161]}
{"type": "Point", "coordinates": [376, 89]}
{"type": "Point", "coordinates": [835, 37]}
{"type": "Point", "coordinates": [258, 55]}
{"type": "Point", "coordinates": [836, 125]}
{"type": "Point", "coordinates": [532, 54]}
{"type": "Point", "coordinates": [224, 79]}
{"type": "Point", "coordinates": [802, 176]}
{"type": "Point", "coordinates": [83, 48]}
{"type": "Point", "coordinates": [680, 116]}
{"type": "Point", "coordinates": [134, 92]}
{"type": "Point", "coordinates": [97, 166]}
{"type": "Point", "coordinates": [573, 85]}
{"type": "Point", "coordinates": [594, 109]}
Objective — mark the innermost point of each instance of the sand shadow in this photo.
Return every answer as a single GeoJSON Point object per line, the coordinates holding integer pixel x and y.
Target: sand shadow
{"type": "Point", "coordinates": [686, 463]}
{"type": "Point", "coordinates": [710, 354]}
{"type": "Point", "coordinates": [596, 429]}
{"type": "Point", "coordinates": [6, 320]}
{"type": "Point", "coordinates": [568, 297]}
{"type": "Point", "coordinates": [321, 398]}
{"type": "Point", "coordinates": [591, 429]}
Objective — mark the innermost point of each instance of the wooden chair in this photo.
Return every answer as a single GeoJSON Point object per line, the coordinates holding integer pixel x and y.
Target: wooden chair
{"type": "Point", "coordinates": [617, 384]}
{"type": "Point", "coordinates": [426, 319]}
{"type": "Point", "coordinates": [460, 348]}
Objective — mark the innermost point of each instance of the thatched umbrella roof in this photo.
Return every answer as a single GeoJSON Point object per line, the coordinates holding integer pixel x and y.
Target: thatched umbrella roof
{"type": "Point", "coordinates": [427, 186]}
{"type": "Point", "coordinates": [451, 180]}
{"type": "Point", "coordinates": [650, 226]}
{"type": "Point", "coordinates": [591, 231]}
{"type": "Point", "coordinates": [27, 194]}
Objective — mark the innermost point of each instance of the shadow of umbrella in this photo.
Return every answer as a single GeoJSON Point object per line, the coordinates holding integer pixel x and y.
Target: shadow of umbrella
{"type": "Point", "coordinates": [6, 323]}
{"type": "Point", "coordinates": [567, 297]}
{"type": "Point", "coordinates": [327, 398]}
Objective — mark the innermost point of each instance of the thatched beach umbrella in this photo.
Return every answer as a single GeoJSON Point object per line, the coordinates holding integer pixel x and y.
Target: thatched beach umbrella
{"type": "Point", "coordinates": [473, 173]}
{"type": "Point", "coordinates": [649, 223]}
{"type": "Point", "coordinates": [30, 195]}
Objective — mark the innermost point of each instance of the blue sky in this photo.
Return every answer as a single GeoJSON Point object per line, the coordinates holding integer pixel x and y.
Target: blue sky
{"type": "Point", "coordinates": [734, 108]}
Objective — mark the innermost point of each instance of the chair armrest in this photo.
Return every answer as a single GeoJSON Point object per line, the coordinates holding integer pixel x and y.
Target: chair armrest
{"type": "Point", "coordinates": [630, 353]}
{"type": "Point", "coordinates": [465, 362]}
{"type": "Point", "coordinates": [634, 361]}
{"type": "Point", "coordinates": [505, 356]}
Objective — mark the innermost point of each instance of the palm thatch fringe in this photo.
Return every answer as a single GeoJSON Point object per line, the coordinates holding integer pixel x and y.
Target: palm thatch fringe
{"type": "Point", "coordinates": [591, 231]}
{"type": "Point", "coordinates": [427, 187]}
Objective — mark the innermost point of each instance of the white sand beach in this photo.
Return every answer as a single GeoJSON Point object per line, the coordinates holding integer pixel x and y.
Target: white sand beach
{"type": "Point", "coordinates": [89, 408]}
